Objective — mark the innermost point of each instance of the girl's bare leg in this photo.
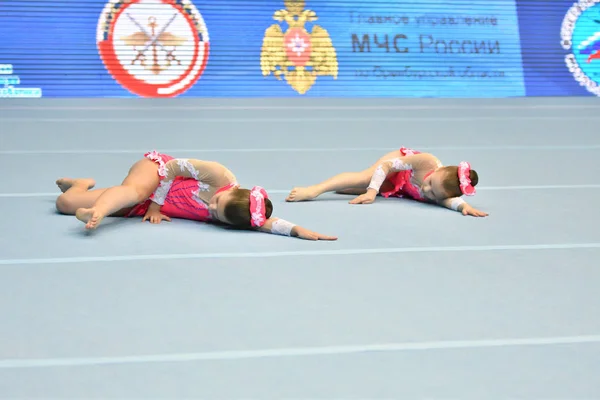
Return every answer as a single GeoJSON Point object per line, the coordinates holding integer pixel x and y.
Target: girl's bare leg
{"type": "Point", "coordinates": [341, 182]}
{"type": "Point", "coordinates": [352, 191]}
{"type": "Point", "coordinates": [76, 193]}
{"type": "Point", "coordinates": [139, 184]}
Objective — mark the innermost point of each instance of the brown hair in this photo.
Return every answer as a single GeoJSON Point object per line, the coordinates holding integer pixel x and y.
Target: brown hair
{"type": "Point", "coordinates": [452, 184]}
{"type": "Point", "coordinates": [237, 210]}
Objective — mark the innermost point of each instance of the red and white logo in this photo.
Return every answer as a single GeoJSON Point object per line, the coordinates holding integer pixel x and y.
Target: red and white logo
{"type": "Point", "coordinates": [297, 46]}
{"type": "Point", "coordinates": [153, 48]}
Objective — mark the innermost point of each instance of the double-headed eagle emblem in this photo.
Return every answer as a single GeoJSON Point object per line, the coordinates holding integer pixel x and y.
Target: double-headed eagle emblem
{"type": "Point", "coordinates": [309, 54]}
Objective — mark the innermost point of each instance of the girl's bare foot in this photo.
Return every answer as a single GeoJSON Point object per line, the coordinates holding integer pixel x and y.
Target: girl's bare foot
{"type": "Point", "coordinates": [66, 183]}
{"type": "Point", "coordinates": [301, 194]}
{"type": "Point", "coordinates": [90, 216]}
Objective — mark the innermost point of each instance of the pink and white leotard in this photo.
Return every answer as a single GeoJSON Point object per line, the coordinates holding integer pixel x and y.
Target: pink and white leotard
{"type": "Point", "coordinates": [400, 184]}
{"type": "Point", "coordinates": [182, 200]}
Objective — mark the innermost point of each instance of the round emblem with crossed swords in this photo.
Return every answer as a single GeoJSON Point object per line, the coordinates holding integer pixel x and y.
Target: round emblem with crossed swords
{"type": "Point", "coordinates": [153, 48]}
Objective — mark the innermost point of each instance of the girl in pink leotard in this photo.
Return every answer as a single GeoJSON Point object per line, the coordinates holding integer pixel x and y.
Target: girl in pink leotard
{"type": "Point", "coordinates": [404, 173]}
{"type": "Point", "coordinates": [160, 187]}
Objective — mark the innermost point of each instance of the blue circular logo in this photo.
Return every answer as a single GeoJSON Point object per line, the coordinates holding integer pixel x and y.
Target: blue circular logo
{"type": "Point", "coordinates": [581, 36]}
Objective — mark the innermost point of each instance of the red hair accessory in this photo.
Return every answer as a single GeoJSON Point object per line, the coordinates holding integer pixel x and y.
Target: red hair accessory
{"type": "Point", "coordinates": [257, 206]}
{"type": "Point", "coordinates": [464, 169]}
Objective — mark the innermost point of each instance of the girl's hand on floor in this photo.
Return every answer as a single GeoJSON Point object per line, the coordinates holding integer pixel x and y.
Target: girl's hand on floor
{"type": "Point", "coordinates": [468, 210]}
{"type": "Point", "coordinates": [304, 233]}
{"type": "Point", "coordinates": [155, 217]}
{"type": "Point", "coordinates": [366, 198]}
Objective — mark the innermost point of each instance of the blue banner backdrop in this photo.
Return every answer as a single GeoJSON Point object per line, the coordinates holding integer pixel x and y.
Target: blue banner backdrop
{"type": "Point", "coordinates": [351, 48]}
{"type": "Point", "coordinates": [560, 40]}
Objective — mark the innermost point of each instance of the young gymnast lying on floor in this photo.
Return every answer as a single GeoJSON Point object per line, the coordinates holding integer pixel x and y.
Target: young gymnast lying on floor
{"type": "Point", "coordinates": [404, 173]}
{"type": "Point", "coordinates": [160, 187]}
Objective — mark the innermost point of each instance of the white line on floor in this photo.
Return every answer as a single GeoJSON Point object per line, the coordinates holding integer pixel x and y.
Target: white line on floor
{"type": "Point", "coordinates": [286, 191]}
{"type": "Point", "coordinates": [296, 352]}
{"type": "Point", "coordinates": [539, 187]}
{"type": "Point", "coordinates": [269, 254]}
{"type": "Point", "coordinates": [175, 107]}
{"type": "Point", "coordinates": [305, 119]}
{"type": "Point", "coordinates": [306, 149]}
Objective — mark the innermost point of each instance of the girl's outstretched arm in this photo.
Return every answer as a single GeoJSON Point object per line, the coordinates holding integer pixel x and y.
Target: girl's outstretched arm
{"type": "Point", "coordinates": [458, 204]}
{"type": "Point", "coordinates": [282, 227]}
